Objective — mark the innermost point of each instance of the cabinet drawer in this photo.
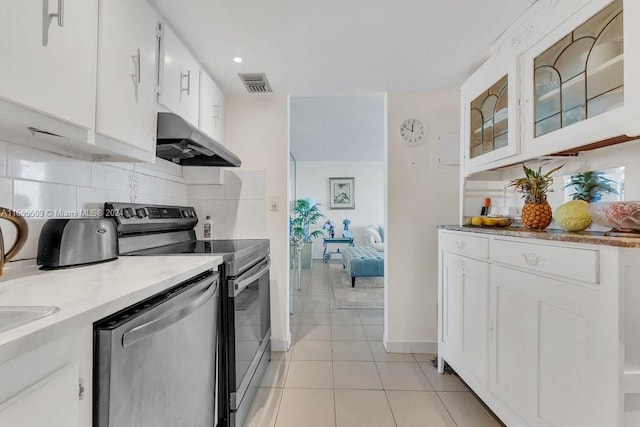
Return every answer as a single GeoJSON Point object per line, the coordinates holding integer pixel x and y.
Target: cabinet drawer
{"type": "Point", "coordinates": [467, 245]}
{"type": "Point", "coordinates": [571, 263]}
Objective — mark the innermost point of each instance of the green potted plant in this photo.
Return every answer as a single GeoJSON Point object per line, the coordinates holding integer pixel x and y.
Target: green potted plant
{"type": "Point", "coordinates": [306, 213]}
{"type": "Point", "coordinates": [589, 186]}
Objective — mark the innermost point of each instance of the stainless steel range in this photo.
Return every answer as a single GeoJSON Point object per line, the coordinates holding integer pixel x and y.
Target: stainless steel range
{"type": "Point", "coordinates": [244, 321]}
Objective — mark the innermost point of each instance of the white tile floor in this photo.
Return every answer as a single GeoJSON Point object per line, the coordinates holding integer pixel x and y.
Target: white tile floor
{"type": "Point", "coordinates": [337, 373]}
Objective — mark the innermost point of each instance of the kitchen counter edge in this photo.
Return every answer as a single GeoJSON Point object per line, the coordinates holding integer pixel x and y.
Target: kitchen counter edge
{"type": "Point", "coordinates": [586, 237]}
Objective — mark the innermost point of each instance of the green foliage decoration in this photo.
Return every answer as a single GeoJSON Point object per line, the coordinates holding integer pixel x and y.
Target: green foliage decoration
{"type": "Point", "coordinates": [534, 185]}
{"type": "Point", "coordinates": [306, 213]}
{"type": "Point", "coordinates": [589, 186]}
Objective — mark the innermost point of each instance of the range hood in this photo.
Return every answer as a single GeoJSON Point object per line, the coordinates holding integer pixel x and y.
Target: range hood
{"type": "Point", "coordinates": [180, 142]}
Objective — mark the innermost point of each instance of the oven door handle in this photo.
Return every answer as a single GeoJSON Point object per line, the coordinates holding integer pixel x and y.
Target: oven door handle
{"type": "Point", "coordinates": [240, 283]}
{"type": "Point", "coordinates": [145, 330]}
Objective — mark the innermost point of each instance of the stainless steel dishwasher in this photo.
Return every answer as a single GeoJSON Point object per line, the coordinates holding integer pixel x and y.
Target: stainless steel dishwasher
{"type": "Point", "coordinates": [154, 362]}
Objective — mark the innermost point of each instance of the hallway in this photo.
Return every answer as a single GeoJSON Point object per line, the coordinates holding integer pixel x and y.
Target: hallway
{"type": "Point", "coordinates": [337, 373]}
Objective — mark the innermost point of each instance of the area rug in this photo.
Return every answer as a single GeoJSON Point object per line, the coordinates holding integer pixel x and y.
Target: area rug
{"type": "Point", "coordinates": [368, 292]}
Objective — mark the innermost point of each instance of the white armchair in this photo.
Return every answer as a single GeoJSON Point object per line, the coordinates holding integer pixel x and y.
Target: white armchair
{"type": "Point", "coordinates": [374, 237]}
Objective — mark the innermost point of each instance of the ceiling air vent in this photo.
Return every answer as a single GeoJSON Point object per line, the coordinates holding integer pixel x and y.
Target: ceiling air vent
{"type": "Point", "coordinates": [255, 82]}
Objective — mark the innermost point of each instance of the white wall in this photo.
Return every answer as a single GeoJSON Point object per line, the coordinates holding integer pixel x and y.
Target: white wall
{"type": "Point", "coordinates": [418, 201]}
{"type": "Point", "coordinates": [312, 181]}
{"type": "Point", "coordinates": [257, 130]}
{"type": "Point", "coordinates": [236, 204]}
{"type": "Point", "coordinates": [38, 182]}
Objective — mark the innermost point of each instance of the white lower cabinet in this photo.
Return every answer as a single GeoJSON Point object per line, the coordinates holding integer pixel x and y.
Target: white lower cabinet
{"type": "Point", "coordinates": [465, 320]}
{"type": "Point", "coordinates": [50, 385]}
{"type": "Point", "coordinates": [52, 401]}
{"type": "Point", "coordinates": [542, 344]}
{"type": "Point", "coordinates": [541, 336]}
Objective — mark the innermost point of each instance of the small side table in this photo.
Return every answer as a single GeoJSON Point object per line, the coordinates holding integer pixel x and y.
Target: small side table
{"type": "Point", "coordinates": [326, 254]}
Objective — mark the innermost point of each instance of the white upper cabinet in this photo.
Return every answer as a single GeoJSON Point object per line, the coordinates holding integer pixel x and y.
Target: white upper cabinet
{"type": "Point", "coordinates": [211, 108]}
{"type": "Point", "coordinates": [179, 77]}
{"type": "Point", "coordinates": [572, 84]}
{"type": "Point", "coordinates": [127, 76]}
{"type": "Point", "coordinates": [580, 82]}
{"type": "Point", "coordinates": [48, 51]}
{"type": "Point", "coordinates": [490, 119]}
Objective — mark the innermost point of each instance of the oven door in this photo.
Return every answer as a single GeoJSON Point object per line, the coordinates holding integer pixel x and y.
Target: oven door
{"type": "Point", "coordinates": [250, 331]}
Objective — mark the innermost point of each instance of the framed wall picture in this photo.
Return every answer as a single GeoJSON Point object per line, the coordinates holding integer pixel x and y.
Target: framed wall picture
{"type": "Point", "coordinates": [342, 193]}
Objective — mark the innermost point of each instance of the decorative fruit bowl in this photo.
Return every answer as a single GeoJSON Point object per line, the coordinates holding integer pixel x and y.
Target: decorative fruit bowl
{"type": "Point", "coordinates": [487, 221]}
{"type": "Point", "coordinates": [622, 217]}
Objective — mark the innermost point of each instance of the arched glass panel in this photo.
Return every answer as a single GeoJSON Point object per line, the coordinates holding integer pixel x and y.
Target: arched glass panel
{"type": "Point", "coordinates": [476, 133]}
{"type": "Point", "coordinates": [605, 70]}
{"type": "Point", "coordinates": [548, 104]}
{"type": "Point", "coordinates": [489, 106]}
{"type": "Point", "coordinates": [488, 119]}
{"type": "Point", "coordinates": [582, 75]}
{"type": "Point", "coordinates": [573, 60]}
{"type": "Point", "coordinates": [501, 115]}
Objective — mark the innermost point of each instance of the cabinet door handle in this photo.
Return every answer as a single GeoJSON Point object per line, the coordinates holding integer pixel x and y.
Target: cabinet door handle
{"type": "Point", "coordinates": [136, 73]}
{"type": "Point", "coordinates": [215, 112]}
{"type": "Point", "coordinates": [48, 17]}
{"type": "Point", "coordinates": [59, 15]}
{"type": "Point", "coordinates": [461, 244]}
{"type": "Point", "coordinates": [188, 88]}
{"type": "Point", "coordinates": [531, 258]}
{"type": "Point", "coordinates": [136, 67]}
{"type": "Point", "coordinates": [462, 266]}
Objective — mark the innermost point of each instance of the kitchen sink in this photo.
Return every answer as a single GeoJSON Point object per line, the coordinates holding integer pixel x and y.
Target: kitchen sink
{"type": "Point", "coordinates": [14, 316]}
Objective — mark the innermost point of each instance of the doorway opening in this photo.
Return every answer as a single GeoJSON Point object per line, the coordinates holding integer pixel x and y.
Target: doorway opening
{"type": "Point", "coordinates": [337, 164]}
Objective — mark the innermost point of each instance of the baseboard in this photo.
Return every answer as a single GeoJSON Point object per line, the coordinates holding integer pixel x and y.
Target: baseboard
{"type": "Point", "coordinates": [281, 345]}
{"type": "Point", "coordinates": [411, 346]}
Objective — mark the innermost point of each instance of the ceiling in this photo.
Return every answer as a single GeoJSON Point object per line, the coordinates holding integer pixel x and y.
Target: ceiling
{"type": "Point", "coordinates": [342, 47]}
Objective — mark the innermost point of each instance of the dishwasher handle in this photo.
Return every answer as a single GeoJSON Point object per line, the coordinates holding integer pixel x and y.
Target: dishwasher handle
{"type": "Point", "coordinates": [242, 282]}
{"type": "Point", "coordinates": [145, 330]}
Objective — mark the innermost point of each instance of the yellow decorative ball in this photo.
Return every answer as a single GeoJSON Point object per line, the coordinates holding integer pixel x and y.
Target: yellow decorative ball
{"type": "Point", "coordinates": [573, 215]}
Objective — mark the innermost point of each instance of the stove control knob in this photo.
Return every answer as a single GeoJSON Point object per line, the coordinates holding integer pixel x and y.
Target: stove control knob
{"type": "Point", "coordinates": [141, 212]}
{"type": "Point", "coordinates": [127, 212]}
{"type": "Point", "coordinates": [185, 213]}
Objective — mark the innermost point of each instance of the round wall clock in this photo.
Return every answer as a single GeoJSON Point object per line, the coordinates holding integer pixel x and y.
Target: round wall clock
{"type": "Point", "coordinates": [412, 131]}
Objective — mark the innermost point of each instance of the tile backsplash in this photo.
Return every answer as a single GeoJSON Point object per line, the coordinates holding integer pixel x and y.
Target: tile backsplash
{"type": "Point", "coordinates": [237, 208]}
{"type": "Point", "coordinates": [43, 185]}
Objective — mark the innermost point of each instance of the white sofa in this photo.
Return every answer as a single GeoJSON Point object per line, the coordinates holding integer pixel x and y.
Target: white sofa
{"type": "Point", "coordinates": [374, 237]}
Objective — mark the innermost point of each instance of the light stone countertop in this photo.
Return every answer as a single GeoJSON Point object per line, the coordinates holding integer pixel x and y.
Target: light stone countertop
{"type": "Point", "coordinates": [86, 294]}
{"type": "Point", "coordinates": [587, 237]}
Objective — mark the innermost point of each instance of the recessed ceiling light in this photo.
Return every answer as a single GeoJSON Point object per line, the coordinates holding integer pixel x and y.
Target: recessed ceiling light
{"type": "Point", "coordinates": [238, 59]}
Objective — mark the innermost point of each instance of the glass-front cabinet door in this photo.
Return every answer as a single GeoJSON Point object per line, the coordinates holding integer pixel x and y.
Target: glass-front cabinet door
{"type": "Point", "coordinates": [582, 75]}
{"type": "Point", "coordinates": [489, 121]}
{"type": "Point", "coordinates": [581, 80]}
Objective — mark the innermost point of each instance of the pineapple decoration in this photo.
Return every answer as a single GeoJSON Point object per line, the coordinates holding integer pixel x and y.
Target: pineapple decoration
{"type": "Point", "coordinates": [536, 213]}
